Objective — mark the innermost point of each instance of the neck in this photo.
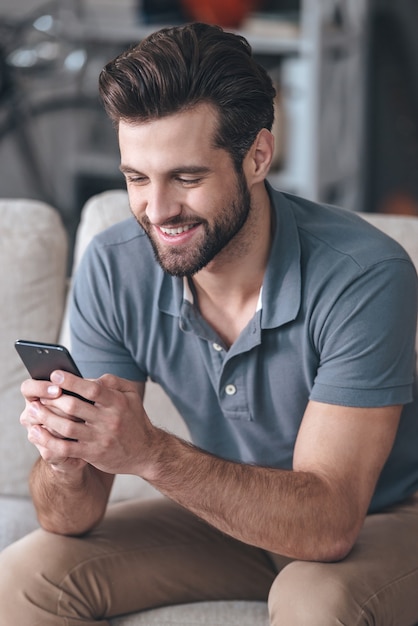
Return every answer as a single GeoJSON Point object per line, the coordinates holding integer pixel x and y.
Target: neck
{"type": "Point", "coordinates": [228, 288]}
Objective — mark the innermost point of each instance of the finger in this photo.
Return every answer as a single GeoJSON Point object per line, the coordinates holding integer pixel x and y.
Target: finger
{"type": "Point", "coordinates": [65, 428]}
{"type": "Point", "coordinates": [100, 391]}
{"type": "Point", "coordinates": [66, 405]}
{"type": "Point", "coordinates": [39, 436]}
{"type": "Point", "coordinates": [85, 389]}
{"type": "Point", "coordinates": [36, 415]}
{"type": "Point", "coordinates": [43, 440]}
{"type": "Point", "coordinates": [52, 449]}
{"type": "Point", "coordinates": [33, 389]}
{"type": "Point", "coordinates": [29, 416]}
{"type": "Point", "coordinates": [33, 414]}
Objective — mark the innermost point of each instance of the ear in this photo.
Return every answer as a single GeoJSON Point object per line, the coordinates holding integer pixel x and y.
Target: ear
{"type": "Point", "coordinates": [258, 160]}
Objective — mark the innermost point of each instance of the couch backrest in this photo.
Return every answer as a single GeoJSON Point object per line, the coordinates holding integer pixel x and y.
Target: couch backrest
{"type": "Point", "coordinates": [33, 262]}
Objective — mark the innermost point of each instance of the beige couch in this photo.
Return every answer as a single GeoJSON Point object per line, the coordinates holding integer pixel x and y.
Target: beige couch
{"type": "Point", "coordinates": [33, 258]}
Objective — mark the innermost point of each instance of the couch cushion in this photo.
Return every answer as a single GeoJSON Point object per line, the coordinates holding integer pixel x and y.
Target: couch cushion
{"type": "Point", "coordinates": [33, 258]}
{"type": "Point", "coordinates": [233, 613]}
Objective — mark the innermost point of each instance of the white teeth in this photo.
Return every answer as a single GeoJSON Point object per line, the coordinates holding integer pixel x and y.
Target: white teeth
{"type": "Point", "coordinates": [176, 231]}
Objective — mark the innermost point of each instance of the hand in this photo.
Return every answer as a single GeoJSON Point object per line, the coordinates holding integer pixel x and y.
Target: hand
{"type": "Point", "coordinates": [38, 432]}
{"type": "Point", "coordinates": [113, 434]}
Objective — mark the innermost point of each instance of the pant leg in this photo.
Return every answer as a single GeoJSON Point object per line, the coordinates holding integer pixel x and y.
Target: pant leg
{"type": "Point", "coordinates": [376, 585]}
{"type": "Point", "coordinates": [143, 555]}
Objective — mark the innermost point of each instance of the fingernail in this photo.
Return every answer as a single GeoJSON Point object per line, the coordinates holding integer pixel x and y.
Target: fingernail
{"type": "Point", "coordinates": [53, 390]}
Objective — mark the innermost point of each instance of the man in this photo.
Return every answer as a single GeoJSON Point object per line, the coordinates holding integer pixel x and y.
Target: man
{"type": "Point", "coordinates": [284, 333]}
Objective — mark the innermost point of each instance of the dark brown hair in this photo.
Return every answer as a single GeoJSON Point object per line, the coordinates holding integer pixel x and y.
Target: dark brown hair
{"type": "Point", "coordinates": [180, 67]}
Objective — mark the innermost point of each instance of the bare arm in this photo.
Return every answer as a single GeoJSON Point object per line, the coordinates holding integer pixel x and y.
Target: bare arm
{"type": "Point", "coordinates": [69, 499]}
{"type": "Point", "coordinates": [313, 512]}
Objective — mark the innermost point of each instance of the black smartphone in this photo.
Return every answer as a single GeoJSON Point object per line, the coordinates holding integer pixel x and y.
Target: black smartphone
{"type": "Point", "coordinates": [40, 359]}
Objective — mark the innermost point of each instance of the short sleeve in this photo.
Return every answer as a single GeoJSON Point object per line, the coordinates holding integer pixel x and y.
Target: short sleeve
{"type": "Point", "coordinates": [367, 342]}
{"type": "Point", "coordinates": [97, 320]}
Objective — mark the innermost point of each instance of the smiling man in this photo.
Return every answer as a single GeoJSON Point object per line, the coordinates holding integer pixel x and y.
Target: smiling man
{"type": "Point", "coordinates": [283, 331]}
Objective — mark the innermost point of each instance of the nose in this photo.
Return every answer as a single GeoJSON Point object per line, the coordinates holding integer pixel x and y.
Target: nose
{"type": "Point", "coordinates": [161, 205]}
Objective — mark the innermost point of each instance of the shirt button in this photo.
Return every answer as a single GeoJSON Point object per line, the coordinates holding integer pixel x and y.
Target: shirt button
{"type": "Point", "coordinates": [230, 390]}
{"type": "Point", "coordinates": [217, 347]}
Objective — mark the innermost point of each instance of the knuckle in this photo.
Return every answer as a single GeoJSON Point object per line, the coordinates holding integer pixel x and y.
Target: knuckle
{"type": "Point", "coordinates": [59, 451]}
{"type": "Point", "coordinates": [70, 404]}
{"type": "Point", "coordinates": [35, 440]}
{"type": "Point", "coordinates": [48, 456]}
{"type": "Point", "coordinates": [109, 380]}
{"type": "Point", "coordinates": [66, 430]}
{"type": "Point", "coordinates": [25, 388]}
{"type": "Point", "coordinates": [94, 392]}
{"type": "Point", "coordinates": [70, 430]}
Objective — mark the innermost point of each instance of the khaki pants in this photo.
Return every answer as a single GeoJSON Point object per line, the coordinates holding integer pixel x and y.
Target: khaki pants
{"type": "Point", "coordinates": [155, 553]}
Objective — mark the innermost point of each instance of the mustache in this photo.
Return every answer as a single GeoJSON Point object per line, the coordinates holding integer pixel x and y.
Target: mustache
{"type": "Point", "coordinates": [177, 220]}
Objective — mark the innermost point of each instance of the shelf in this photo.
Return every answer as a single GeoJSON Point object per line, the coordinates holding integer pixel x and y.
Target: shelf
{"type": "Point", "coordinates": [104, 32]}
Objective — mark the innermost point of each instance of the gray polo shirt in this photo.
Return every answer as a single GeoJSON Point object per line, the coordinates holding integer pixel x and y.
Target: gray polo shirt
{"type": "Point", "coordinates": [335, 323]}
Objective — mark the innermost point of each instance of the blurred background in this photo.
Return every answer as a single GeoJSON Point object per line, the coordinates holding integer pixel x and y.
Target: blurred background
{"type": "Point", "coordinates": [346, 73]}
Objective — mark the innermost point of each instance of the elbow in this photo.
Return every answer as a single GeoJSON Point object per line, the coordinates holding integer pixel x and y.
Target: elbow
{"type": "Point", "coordinates": [334, 545]}
{"type": "Point", "coordinates": [341, 540]}
{"type": "Point", "coordinates": [326, 552]}
{"type": "Point", "coordinates": [323, 551]}
{"type": "Point", "coordinates": [67, 531]}
{"type": "Point", "coordinates": [335, 551]}
{"type": "Point", "coordinates": [68, 527]}
{"type": "Point", "coordinates": [326, 547]}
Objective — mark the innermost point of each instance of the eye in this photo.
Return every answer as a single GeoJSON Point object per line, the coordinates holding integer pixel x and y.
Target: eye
{"type": "Point", "coordinates": [135, 179]}
{"type": "Point", "coordinates": [189, 182]}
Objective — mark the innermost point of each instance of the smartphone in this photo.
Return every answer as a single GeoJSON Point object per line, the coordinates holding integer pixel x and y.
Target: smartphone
{"type": "Point", "coordinates": [40, 359]}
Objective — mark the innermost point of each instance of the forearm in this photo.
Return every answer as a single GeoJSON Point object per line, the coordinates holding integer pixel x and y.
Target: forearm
{"type": "Point", "coordinates": [69, 502]}
{"type": "Point", "coordinates": [291, 513]}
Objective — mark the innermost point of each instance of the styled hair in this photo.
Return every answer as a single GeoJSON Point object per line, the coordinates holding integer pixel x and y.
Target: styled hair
{"type": "Point", "coordinates": [178, 68]}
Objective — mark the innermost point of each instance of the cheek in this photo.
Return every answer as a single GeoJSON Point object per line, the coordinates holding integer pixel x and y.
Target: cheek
{"type": "Point", "coordinates": [137, 201]}
{"type": "Point", "coordinates": [208, 201]}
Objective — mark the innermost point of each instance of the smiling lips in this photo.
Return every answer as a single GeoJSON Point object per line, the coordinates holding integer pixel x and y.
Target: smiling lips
{"type": "Point", "coordinates": [178, 230]}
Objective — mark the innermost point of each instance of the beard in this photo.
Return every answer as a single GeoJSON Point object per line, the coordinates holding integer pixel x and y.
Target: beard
{"type": "Point", "coordinates": [185, 261]}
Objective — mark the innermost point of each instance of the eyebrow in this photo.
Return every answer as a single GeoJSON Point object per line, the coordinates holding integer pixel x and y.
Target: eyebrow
{"type": "Point", "coordinates": [126, 168]}
{"type": "Point", "coordinates": [185, 169]}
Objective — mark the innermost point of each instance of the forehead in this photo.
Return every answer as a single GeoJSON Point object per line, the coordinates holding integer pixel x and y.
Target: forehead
{"type": "Point", "coordinates": [189, 130]}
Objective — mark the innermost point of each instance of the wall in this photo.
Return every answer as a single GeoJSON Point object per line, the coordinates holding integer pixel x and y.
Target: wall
{"type": "Point", "coordinates": [17, 8]}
